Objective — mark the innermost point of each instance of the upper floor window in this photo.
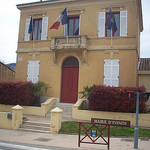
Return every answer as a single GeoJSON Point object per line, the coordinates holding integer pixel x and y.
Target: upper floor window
{"type": "Point", "coordinates": [73, 25]}
{"type": "Point", "coordinates": [37, 29]}
{"type": "Point", "coordinates": [40, 29]}
{"type": "Point", "coordinates": [121, 24]}
{"type": "Point", "coordinates": [116, 27]}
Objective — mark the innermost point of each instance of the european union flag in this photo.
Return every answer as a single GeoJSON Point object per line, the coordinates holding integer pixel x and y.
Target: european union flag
{"type": "Point", "coordinates": [110, 22]}
{"type": "Point", "coordinates": [30, 26]}
{"type": "Point", "coordinates": [64, 18]}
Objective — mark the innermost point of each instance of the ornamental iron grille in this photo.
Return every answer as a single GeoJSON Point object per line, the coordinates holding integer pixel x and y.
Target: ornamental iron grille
{"type": "Point", "coordinates": [71, 62]}
{"type": "Point", "coordinates": [98, 131]}
{"type": "Point", "coordinates": [85, 133]}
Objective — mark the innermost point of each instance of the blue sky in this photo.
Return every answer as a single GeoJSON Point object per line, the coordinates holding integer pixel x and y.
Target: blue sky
{"type": "Point", "coordinates": [9, 26]}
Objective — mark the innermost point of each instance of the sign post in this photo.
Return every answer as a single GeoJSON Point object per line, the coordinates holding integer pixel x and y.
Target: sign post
{"type": "Point", "coordinates": [136, 130]}
{"type": "Point", "coordinates": [131, 96]}
{"type": "Point", "coordinates": [144, 97]}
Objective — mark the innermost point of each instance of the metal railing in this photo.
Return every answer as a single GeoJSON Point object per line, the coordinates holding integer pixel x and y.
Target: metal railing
{"type": "Point", "coordinates": [89, 136]}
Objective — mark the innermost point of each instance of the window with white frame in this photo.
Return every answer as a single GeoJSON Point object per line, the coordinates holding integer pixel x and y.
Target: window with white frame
{"type": "Point", "coordinates": [40, 29]}
{"type": "Point", "coordinates": [111, 72]}
{"type": "Point", "coordinates": [120, 20]}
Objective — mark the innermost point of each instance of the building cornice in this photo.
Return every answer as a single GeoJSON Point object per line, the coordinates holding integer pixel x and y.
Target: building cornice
{"type": "Point", "coordinates": [144, 72]}
{"type": "Point", "coordinates": [41, 3]}
{"type": "Point", "coordinates": [50, 2]}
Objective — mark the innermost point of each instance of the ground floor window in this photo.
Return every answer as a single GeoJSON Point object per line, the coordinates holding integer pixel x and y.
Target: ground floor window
{"type": "Point", "coordinates": [33, 71]}
{"type": "Point", "coordinates": [111, 72]}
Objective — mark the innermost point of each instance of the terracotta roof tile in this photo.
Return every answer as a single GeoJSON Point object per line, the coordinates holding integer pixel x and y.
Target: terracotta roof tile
{"type": "Point", "coordinates": [144, 64]}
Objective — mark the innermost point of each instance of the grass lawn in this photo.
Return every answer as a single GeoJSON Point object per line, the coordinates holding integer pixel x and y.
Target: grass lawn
{"type": "Point", "coordinates": [71, 127]}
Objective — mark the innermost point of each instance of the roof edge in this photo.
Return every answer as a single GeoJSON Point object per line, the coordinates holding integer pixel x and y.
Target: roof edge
{"type": "Point", "coordinates": [7, 67]}
{"type": "Point", "coordinates": [38, 3]}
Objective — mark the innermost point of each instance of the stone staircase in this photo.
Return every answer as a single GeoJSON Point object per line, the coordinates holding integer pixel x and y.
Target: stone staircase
{"type": "Point", "coordinates": [66, 107]}
{"type": "Point", "coordinates": [42, 127]}
{"type": "Point", "coordinates": [35, 127]}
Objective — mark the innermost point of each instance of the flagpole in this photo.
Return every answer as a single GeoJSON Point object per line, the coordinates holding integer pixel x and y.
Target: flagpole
{"type": "Point", "coordinates": [111, 32]}
{"type": "Point", "coordinates": [33, 40]}
{"type": "Point", "coordinates": [67, 28]}
{"type": "Point", "coordinates": [111, 37]}
{"type": "Point", "coordinates": [67, 33]}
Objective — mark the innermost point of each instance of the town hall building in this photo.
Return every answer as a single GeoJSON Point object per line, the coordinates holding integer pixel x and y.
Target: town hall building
{"type": "Point", "coordinates": [82, 52]}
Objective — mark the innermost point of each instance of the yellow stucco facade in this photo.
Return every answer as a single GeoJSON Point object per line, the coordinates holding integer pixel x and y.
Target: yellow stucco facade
{"type": "Point", "coordinates": [90, 49]}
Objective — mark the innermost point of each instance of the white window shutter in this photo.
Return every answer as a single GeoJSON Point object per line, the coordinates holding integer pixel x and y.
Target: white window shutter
{"type": "Point", "coordinates": [101, 24]}
{"type": "Point", "coordinates": [123, 23]}
{"type": "Point", "coordinates": [33, 71]}
{"type": "Point", "coordinates": [26, 35]}
{"type": "Point", "coordinates": [36, 72]}
{"type": "Point", "coordinates": [44, 28]}
{"type": "Point", "coordinates": [115, 72]}
{"type": "Point", "coordinates": [30, 70]}
{"type": "Point", "coordinates": [111, 72]}
{"type": "Point", "coordinates": [107, 72]}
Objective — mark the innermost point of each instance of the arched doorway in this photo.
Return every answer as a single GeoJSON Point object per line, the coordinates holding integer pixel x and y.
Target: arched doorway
{"type": "Point", "coordinates": [69, 84]}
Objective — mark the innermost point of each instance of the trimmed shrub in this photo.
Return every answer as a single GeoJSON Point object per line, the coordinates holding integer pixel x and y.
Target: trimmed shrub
{"type": "Point", "coordinates": [86, 91]}
{"type": "Point", "coordinates": [17, 93]}
{"type": "Point", "coordinates": [114, 99]}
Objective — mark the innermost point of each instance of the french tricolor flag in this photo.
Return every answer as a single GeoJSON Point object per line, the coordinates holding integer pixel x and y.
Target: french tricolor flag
{"type": "Point", "coordinates": [61, 20]}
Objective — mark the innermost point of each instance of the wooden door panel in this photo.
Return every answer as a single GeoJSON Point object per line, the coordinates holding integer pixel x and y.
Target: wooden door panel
{"type": "Point", "coordinates": [69, 91]}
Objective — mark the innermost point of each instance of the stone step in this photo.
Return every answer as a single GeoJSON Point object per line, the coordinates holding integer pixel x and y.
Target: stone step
{"type": "Point", "coordinates": [66, 107]}
{"type": "Point", "coordinates": [32, 130]}
{"type": "Point", "coordinates": [35, 127]}
{"type": "Point", "coordinates": [36, 123]}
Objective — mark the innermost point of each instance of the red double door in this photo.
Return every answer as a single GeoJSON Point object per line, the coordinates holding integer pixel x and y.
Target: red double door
{"type": "Point", "coordinates": [69, 85]}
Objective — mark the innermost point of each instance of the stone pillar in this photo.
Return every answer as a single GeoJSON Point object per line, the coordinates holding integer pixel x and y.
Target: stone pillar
{"type": "Point", "coordinates": [55, 121]}
{"type": "Point", "coordinates": [17, 114]}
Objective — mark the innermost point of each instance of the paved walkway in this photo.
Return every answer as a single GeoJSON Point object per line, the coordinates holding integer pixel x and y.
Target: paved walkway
{"type": "Point", "coordinates": [68, 141]}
